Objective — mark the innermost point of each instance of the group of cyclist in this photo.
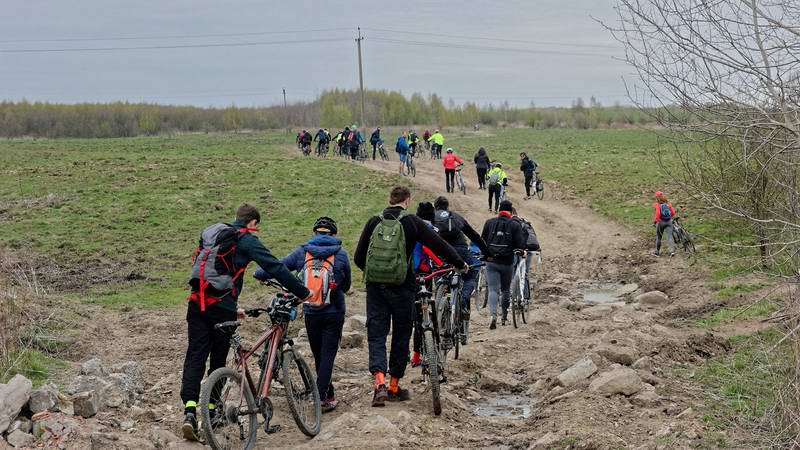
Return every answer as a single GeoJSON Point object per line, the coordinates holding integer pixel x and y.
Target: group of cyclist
{"type": "Point", "coordinates": [348, 142]}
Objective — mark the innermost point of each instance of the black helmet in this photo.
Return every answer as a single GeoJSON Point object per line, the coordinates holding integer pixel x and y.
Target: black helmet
{"type": "Point", "coordinates": [325, 225]}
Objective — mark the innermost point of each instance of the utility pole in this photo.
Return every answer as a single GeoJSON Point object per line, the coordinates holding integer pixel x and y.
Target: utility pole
{"type": "Point", "coordinates": [285, 111]}
{"type": "Point", "coordinates": [360, 75]}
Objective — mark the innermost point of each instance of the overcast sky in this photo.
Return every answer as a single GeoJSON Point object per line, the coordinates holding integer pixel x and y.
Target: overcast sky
{"type": "Point", "coordinates": [543, 69]}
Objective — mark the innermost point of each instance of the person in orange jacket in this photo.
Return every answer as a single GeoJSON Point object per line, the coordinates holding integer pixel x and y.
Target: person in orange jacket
{"type": "Point", "coordinates": [663, 216]}
{"type": "Point", "coordinates": [450, 162]}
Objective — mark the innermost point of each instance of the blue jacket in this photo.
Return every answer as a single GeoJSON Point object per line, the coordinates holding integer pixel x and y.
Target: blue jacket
{"type": "Point", "coordinates": [402, 146]}
{"type": "Point", "coordinates": [321, 246]}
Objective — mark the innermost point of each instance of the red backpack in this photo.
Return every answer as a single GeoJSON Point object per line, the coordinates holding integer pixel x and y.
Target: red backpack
{"type": "Point", "coordinates": [214, 273]}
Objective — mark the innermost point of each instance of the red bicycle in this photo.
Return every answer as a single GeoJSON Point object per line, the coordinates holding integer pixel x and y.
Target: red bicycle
{"type": "Point", "coordinates": [231, 400]}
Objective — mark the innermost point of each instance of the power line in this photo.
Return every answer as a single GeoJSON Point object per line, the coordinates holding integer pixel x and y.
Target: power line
{"type": "Point", "coordinates": [164, 47]}
{"type": "Point", "coordinates": [179, 36]}
{"type": "Point", "coordinates": [486, 38]}
{"type": "Point", "coordinates": [487, 48]}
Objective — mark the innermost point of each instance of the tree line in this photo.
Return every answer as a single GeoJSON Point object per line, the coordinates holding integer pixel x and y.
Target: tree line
{"type": "Point", "coordinates": [333, 109]}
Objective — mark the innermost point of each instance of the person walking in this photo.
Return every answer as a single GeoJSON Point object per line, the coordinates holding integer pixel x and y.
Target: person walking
{"type": "Point", "coordinates": [384, 253]}
{"type": "Point", "coordinates": [503, 236]}
{"type": "Point", "coordinates": [496, 180]}
{"type": "Point", "coordinates": [324, 321]}
{"type": "Point", "coordinates": [450, 162]}
{"type": "Point", "coordinates": [528, 168]}
{"type": "Point", "coordinates": [663, 216]}
{"type": "Point", "coordinates": [401, 147]}
{"type": "Point", "coordinates": [482, 163]}
{"type": "Point", "coordinates": [437, 142]}
{"type": "Point", "coordinates": [375, 140]}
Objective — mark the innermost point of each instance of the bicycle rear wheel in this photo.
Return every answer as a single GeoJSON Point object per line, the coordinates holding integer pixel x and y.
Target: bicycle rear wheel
{"type": "Point", "coordinates": [301, 393]}
{"type": "Point", "coordinates": [432, 360]}
{"type": "Point", "coordinates": [445, 319]}
{"type": "Point", "coordinates": [235, 421]}
{"type": "Point", "coordinates": [514, 309]}
{"type": "Point", "coordinates": [540, 193]}
{"type": "Point", "coordinates": [457, 325]}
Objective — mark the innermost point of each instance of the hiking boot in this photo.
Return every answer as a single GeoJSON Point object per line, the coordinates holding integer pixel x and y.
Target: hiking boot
{"type": "Point", "coordinates": [493, 325]}
{"type": "Point", "coordinates": [401, 395]}
{"type": "Point", "coordinates": [189, 427]}
{"type": "Point", "coordinates": [329, 405]}
{"type": "Point", "coordinates": [380, 396]}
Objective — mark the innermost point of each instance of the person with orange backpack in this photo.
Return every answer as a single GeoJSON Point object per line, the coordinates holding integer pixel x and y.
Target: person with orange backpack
{"type": "Point", "coordinates": [663, 216]}
{"type": "Point", "coordinates": [217, 278]}
{"type": "Point", "coordinates": [325, 268]}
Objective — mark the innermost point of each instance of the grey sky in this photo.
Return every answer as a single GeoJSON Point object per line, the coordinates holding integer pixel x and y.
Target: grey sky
{"type": "Point", "coordinates": [254, 75]}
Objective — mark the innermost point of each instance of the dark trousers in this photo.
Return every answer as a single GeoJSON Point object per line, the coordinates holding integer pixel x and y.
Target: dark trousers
{"type": "Point", "coordinates": [204, 341]}
{"type": "Point", "coordinates": [494, 193]}
{"type": "Point", "coordinates": [528, 183]}
{"type": "Point", "coordinates": [450, 179]}
{"type": "Point", "coordinates": [374, 150]}
{"type": "Point", "coordinates": [353, 151]}
{"type": "Point", "coordinates": [324, 333]}
{"type": "Point", "coordinates": [482, 178]}
{"type": "Point", "coordinates": [436, 151]}
{"type": "Point", "coordinates": [389, 306]}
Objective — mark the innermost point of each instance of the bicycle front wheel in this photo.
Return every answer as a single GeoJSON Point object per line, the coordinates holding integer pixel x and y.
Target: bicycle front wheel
{"type": "Point", "coordinates": [432, 361]}
{"type": "Point", "coordinates": [233, 421]}
{"type": "Point", "coordinates": [456, 325]}
{"type": "Point", "coordinates": [540, 193]}
{"type": "Point", "coordinates": [301, 393]}
{"type": "Point", "coordinates": [444, 318]}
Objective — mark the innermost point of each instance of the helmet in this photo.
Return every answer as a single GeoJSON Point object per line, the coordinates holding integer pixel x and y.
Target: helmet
{"type": "Point", "coordinates": [449, 149]}
{"type": "Point", "coordinates": [325, 225]}
{"type": "Point", "coordinates": [659, 193]}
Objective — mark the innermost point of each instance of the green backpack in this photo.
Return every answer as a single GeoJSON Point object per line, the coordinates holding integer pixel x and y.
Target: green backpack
{"type": "Point", "coordinates": [387, 262]}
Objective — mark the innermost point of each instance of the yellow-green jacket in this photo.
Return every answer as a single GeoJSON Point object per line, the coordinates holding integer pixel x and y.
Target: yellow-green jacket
{"type": "Point", "coordinates": [437, 139]}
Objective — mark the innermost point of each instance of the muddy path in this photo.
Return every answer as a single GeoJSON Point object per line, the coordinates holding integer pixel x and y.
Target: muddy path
{"type": "Point", "coordinates": [502, 392]}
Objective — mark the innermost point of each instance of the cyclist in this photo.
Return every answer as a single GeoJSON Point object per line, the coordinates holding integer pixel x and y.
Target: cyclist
{"type": "Point", "coordinates": [297, 140]}
{"type": "Point", "coordinates": [323, 325]}
{"type": "Point", "coordinates": [455, 230]}
{"type": "Point", "coordinates": [528, 168]}
{"type": "Point", "coordinates": [496, 181]}
{"type": "Point", "coordinates": [354, 141]}
{"type": "Point", "coordinates": [437, 143]}
{"type": "Point", "coordinates": [375, 140]}
{"type": "Point", "coordinates": [322, 137]}
{"type": "Point", "coordinates": [401, 147]}
{"type": "Point", "coordinates": [305, 140]}
{"type": "Point", "coordinates": [340, 139]}
{"type": "Point", "coordinates": [210, 306]}
{"type": "Point", "coordinates": [424, 262]}
{"type": "Point", "coordinates": [531, 241]}
{"type": "Point", "coordinates": [413, 140]}
{"type": "Point", "coordinates": [390, 303]}
{"type": "Point", "coordinates": [450, 162]}
{"type": "Point", "coordinates": [662, 219]}
{"type": "Point", "coordinates": [503, 236]}
{"type": "Point", "coordinates": [426, 137]}
{"type": "Point", "coordinates": [482, 163]}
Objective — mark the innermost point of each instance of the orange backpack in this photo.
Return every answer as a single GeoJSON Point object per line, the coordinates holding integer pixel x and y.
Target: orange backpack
{"type": "Point", "coordinates": [318, 278]}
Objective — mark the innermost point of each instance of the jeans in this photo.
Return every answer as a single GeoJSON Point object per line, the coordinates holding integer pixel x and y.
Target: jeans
{"type": "Point", "coordinates": [482, 178]}
{"type": "Point", "coordinates": [204, 341]}
{"type": "Point", "coordinates": [498, 277]}
{"type": "Point", "coordinates": [528, 183]}
{"type": "Point", "coordinates": [664, 226]}
{"type": "Point", "coordinates": [494, 193]}
{"type": "Point", "coordinates": [389, 306]}
{"type": "Point", "coordinates": [450, 179]}
{"type": "Point", "coordinates": [470, 278]}
{"type": "Point", "coordinates": [324, 333]}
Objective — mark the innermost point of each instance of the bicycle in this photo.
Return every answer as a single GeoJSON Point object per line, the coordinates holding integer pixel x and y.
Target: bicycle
{"type": "Point", "coordinates": [681, 237]}
{"type": "Point", "coordinates": [460, 181]}
{"type": "Point", "coordinates": [538, 185]}
{"type": "Point", "coordinates": [382, 151]}
{"type": "Point", "coordinates": [322, 150]}
{"type": "Point", "coordinates": [450, 310]}
{"type": "Point", "coordinates": [520, 289]}
{"type": "Point", "coordinates": [411, 168]}
{"type": "Point", "coordinates": [432, 365]}
{"type": "Point", "coordinates": [306, 149]}
{"type": "Point", "coordinates": [362, 153]}
{"type": "Point", "coordinates": [483, 287]}
{"type": "Point", "coordinates": [237, 403]}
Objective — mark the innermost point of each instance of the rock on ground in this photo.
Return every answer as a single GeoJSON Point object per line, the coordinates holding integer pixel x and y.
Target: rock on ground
{"type": "Point", "coordinates": [351, 339]}
{"type": "Point", "coordinates": [13, 396]}
{"type": "Point", "coordinates": [579, 371]}
{"type": "Point", "coordinates": [18, 439]}
{"type": "Point", "coordinates": [617, 381]}
{"type": "Point", "coordinates": [652, 298]}
{"type": "Point", "coordinates": [86, 404]}
{"type": "Point", "coordinates": [618, 354]}
{"type": "Point", "coordinates": [356, 323]}
{"type": "Point", "coordinates": [44, 399]}
{"type": "Point", "coordinates": [93, 367]}
{"type": "Point", "coordinates": [545, 442]}
{"type": "Point", "coordinates": [644, 363]}
{"type": "Point", "coordinates": [493, 380]}
{"type": "Point", "coordinates": [119, 441]}
{"type": "Point", "coordinates": [647, 397]}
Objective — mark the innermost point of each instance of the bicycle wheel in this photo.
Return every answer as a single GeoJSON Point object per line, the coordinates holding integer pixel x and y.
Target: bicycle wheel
{"type": "Point", "coordinates": [456, 325]}
{"type": "Point", "coordinates": [485, 287]}
{"type": "Point", "coordinates": [463, 186]}
{"type": "Point", "coordinates": [445, 319]}
{"type": "Point", "coordinates": [235, 422]}
{"type": "Point", "coordinates": [432, 360]}
{"type": "Point", "coordinates": [514, 309]}
{"type": "Point", "coordinates": [301, 393]}
{"type": "Point", "coordinates": [540, 193]}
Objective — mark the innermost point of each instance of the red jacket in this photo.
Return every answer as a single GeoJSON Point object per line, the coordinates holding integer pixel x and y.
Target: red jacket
{"type": "Point", "coordinates": [451, 160]}
{"type": "Point", "coordinates": [657, 215]}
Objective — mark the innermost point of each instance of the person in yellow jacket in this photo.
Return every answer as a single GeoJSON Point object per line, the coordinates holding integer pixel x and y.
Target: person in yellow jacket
{"type": "Point", "coordinates": [437, 142]}
{"type": "Point", "coordinates": [496, 181]}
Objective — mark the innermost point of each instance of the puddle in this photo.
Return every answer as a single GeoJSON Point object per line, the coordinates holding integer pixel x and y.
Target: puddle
{"type": "Point", "coordinates": [607, 293]}
{"type": "Point", "coordinates": [505, 406]}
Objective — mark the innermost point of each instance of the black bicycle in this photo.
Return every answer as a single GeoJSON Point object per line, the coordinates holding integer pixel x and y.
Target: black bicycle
{"type": "Point", "coordinates": [538, 185]}
{"type": "Point", "coordinates": [450, 310]}
{"type": "Point", "coordinates": [382, 151]}
{"type": "Point", "coordinates": [682, 237]}
{"type": "Point", "coordinates": [411, 167]}
{"type": "Point", "coordinates": [425, 320]}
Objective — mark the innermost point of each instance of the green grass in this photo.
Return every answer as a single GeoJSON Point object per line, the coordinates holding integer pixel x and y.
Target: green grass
{"type": "Point", "coordinates": [33, 364]}
{"type": "Point", "coordinates": [113, 208]}
{"type": "Point", "coordinates": [726, 315]}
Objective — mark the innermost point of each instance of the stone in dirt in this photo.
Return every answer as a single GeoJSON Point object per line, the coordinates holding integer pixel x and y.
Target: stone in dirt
{"type": "Point", "coordinates": [13, 396]}
{"type": "Point", "coordinates": [620, 380]}
{"type": "Point", "coordinates": [22, 423]}
{"type": "Point", "coordinates": [356, 323]}
{"type": "Point", "coordinates": [493, 380]}
{"type": "Point", "coordinates": [598, 311]}
{"type": "Point", "coordinates": [644, 363]}
{"type": "Point", "coordinates": [93, 367]}
{"type": "Point", "coordinates": [580, 371]}
{"type": "Point", "coordinates": [162, 438]}
{"type": "Point", "coordinates": [545, 442]}
{"type": "Point", "coordinates": [44, 399]}
{"type": "Point", "coordinates": [118, 441]}
{"type": "Point", "coordinates": [647, 397]}
{"type": "Point", "coordinates": [652, 298]}
{"type": "Point", "coordinates": [18, 439]}
{"type": "Point", "coordinates": [618, 354]}
{"type": "Point", "coordinates": [351, 339]}
{"type": "Point", "coordinates": [86, 404]}
{"type": "Point", "coordinates": [185, 445]}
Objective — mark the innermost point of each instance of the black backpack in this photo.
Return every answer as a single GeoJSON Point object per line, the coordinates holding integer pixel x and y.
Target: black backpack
{"type": "Point", "coordinates": [500, 239]}
{"type": "Point", "coordinates": [447, 225]}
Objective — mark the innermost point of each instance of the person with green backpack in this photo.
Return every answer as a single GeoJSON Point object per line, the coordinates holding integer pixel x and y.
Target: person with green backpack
{"type": "Point", "coordinates": [384, 253]}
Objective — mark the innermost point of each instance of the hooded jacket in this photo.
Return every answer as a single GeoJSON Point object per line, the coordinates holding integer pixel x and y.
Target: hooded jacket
{"type": "Point", "coordinates": [451, 161]}
{"type": "Point", "coordinates": [528, 166]}
{"type": "Point", "coordinates": [482, 160]}
{"type": "Point", "coordinates": [321, 246]}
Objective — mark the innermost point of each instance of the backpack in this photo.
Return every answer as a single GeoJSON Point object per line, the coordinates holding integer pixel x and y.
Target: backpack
{"type": "Point", "coordinates": [666, 214]}
{"type": "Point", "coordinates": [533, 241]}
{"type": "Point", "coordinates": [500, 240]}
{"type": "Point", "coordinates": [352, 136]}
{"type": "Point", "coordinates": [494, 178]}
{"type": "Point", "coordinates": [387, 262]}
{"type": "Point", "coordinates": [413, 138]}
{"type": "Point", "coordinates": [318, 278]}
{"type": "Point", "coordinates": [213, 272]}
{"type": "Point", "coordinates": [447, 227]}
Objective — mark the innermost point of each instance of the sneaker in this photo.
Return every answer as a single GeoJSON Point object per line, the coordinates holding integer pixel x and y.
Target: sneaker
{"type": "Point", "coordinates": [503, 322]}
{"type": "Point", "coordinates": [401, 395]}
{"type": "Point", "coordinates": [189, 427]}
{"type": "Point", "coordinates": [671, 254]}
{"type": "Point", "coordinates": [329, 405]}
{"type": "Point", "coordinates": [380, 396]}
{"type": "Point", "coordinates": [656, 254]}
{"type": "Point", "coordinates": [493, 325]}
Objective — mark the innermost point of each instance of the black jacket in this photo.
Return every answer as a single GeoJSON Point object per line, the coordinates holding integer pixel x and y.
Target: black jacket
{"type": "Point", "coordinates": [527, 166]}
{"type": "Point", "coordinates": [416, 230]}
{"type": "Point", "coordinates": [518, 237]}
{"type": "Point", "coordinates": [482, 161]}
{"type": "Point", "coordinates": [461, 229]}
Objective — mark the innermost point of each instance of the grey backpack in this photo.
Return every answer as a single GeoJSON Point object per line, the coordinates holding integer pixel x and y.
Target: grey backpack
{"type": "Point", "coordinates": [213, 271]}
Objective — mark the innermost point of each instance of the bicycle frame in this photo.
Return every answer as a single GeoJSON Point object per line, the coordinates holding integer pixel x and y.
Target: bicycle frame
{"type": "Point", "coordinates": [274, 335]}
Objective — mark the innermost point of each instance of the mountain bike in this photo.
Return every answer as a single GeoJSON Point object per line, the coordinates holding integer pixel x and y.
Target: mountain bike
{"type": "Point", "coordinates": [482, 289]}
{"type": "Point", "coordinates": [306, 149]}
{"type": "Point", "coordinates": [450, 309]}
{"type": "Point", "coordinates": [681, 237]}
{"type": "Point", "coordinates": [520, 289]}
{"type": "Point", "coordinates": [411, 168]}
{"type": "Point", "coordinates": [232, 421]}
{"type": "Point", "coordinates": [382, 151]}
{"type": "Point", "coordinates": [425, 319]}
{"type": "Point", "coordinates": [538, 185]}
{"type": "Point", "coordinates": [460, 181]}
{"type": "Point", "coordinates": [362, 153]}
{"type": "Point", "coordinates": [322, 150]}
